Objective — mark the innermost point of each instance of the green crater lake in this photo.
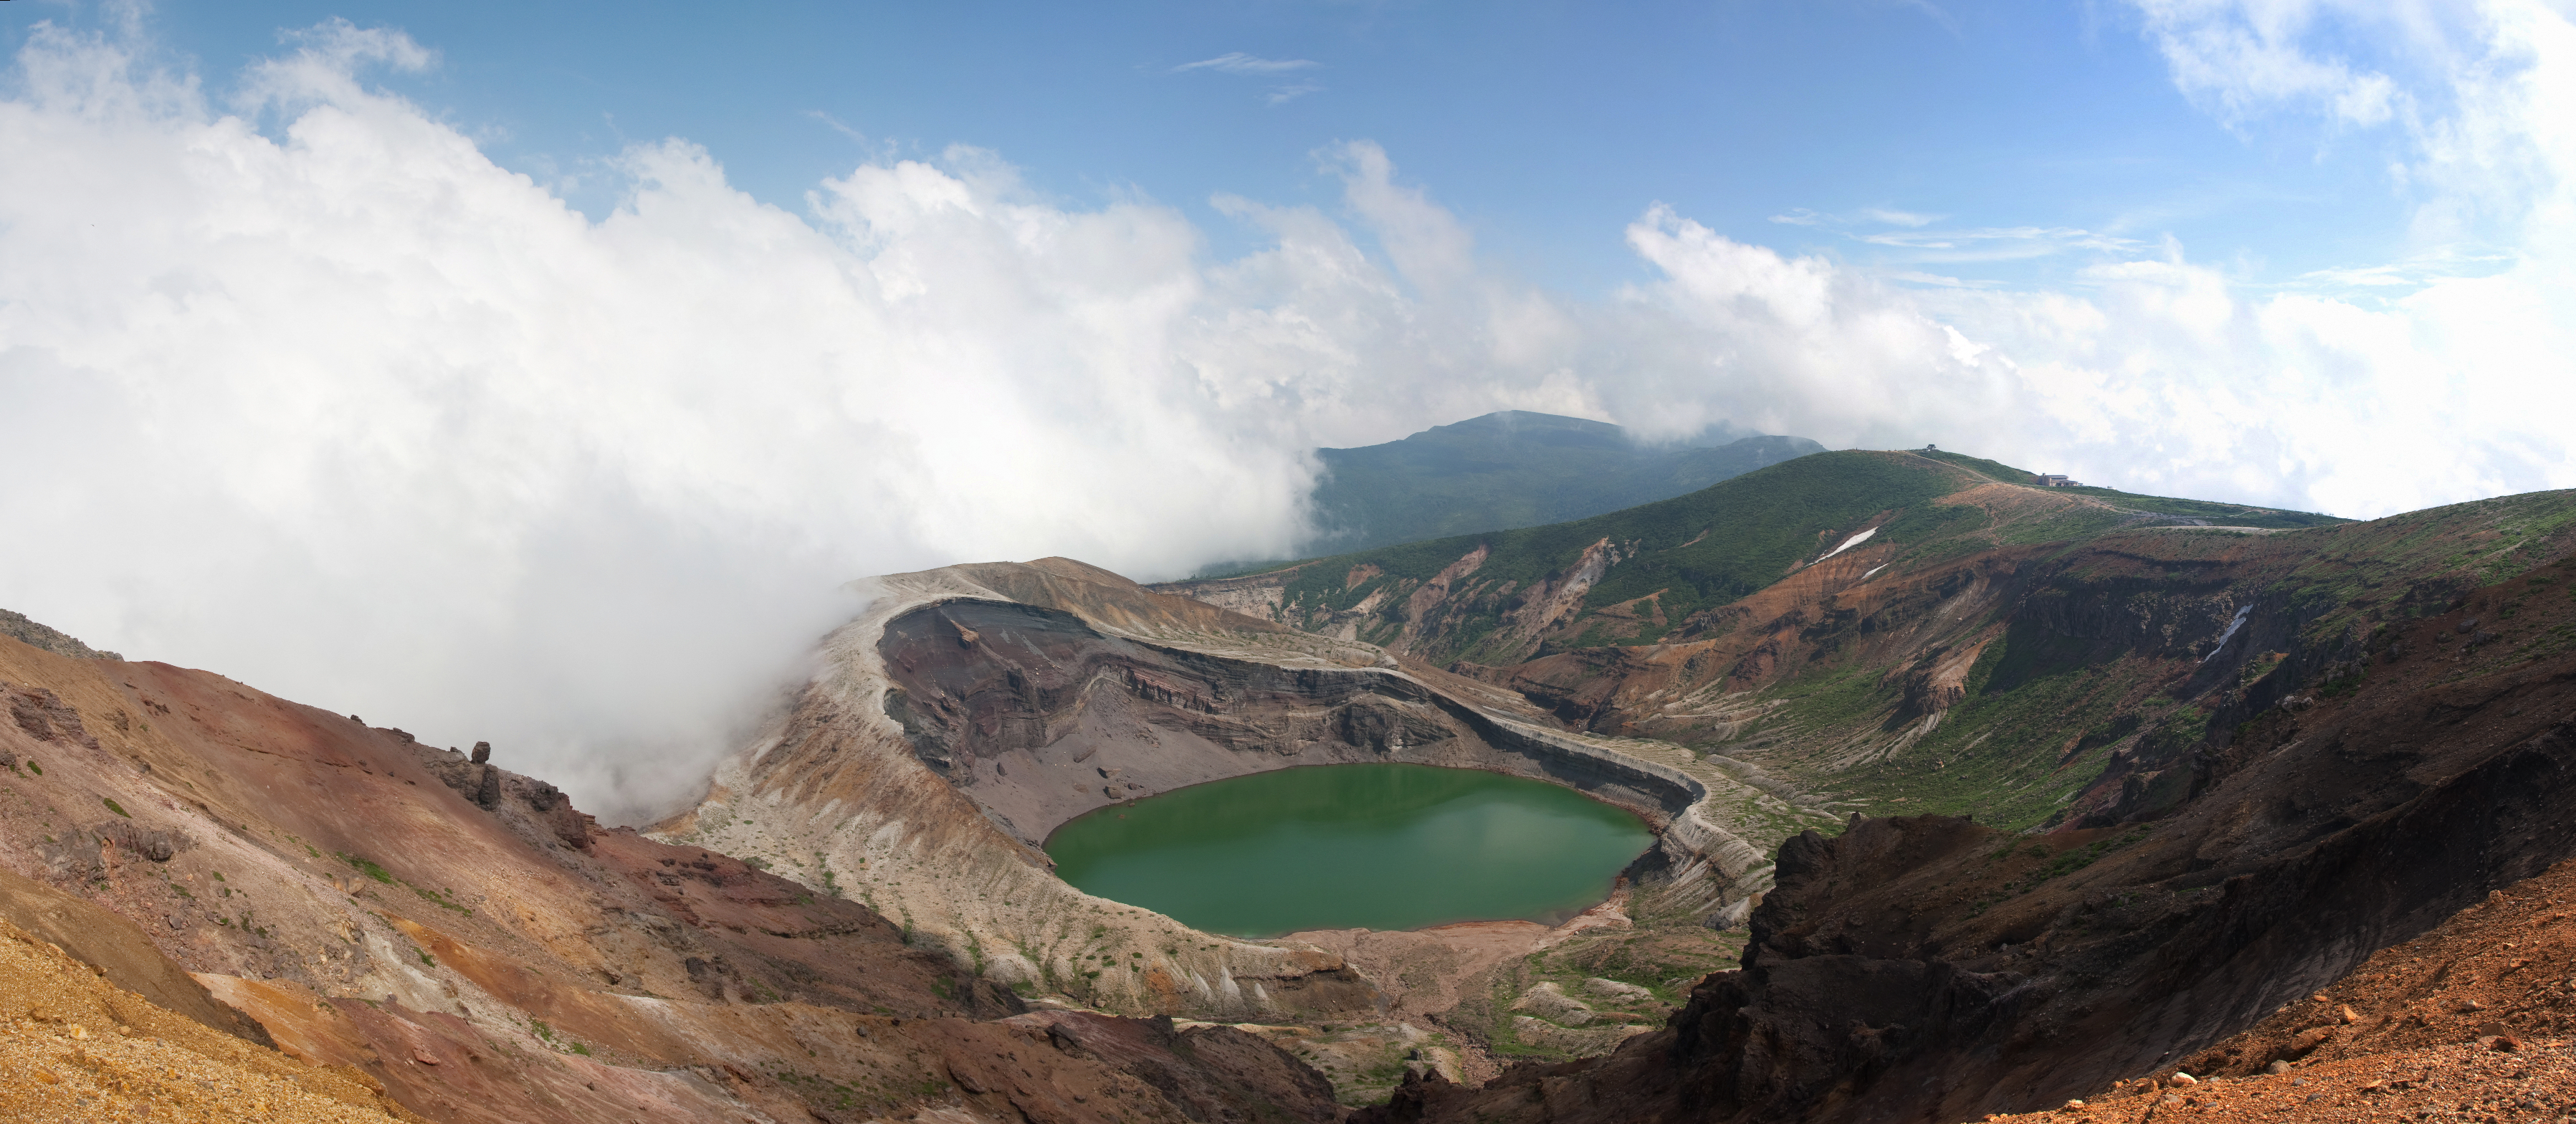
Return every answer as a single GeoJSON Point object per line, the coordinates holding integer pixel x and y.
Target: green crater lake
{"type": "Point", "coordinates": [1353, 847]}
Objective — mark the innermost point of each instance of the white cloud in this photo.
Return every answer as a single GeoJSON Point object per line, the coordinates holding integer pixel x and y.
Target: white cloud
{"type": "Point", "coordinates": [358, 416]}
{"type": "Point", "coordinates": [2001, 243]}
{"type": "Point", "coordinates": [1237, 62]}
{"type": "Point", "coordinates": [329, 402]}
{"type": "Point", "coordinates": [1894, 217]}
{"type": "Point", "coordinates": [1282, 95]}
{"type": "Point", "coordinates": [1956, 245]}
{"type": "Point", "coordinates": [2241, 57]}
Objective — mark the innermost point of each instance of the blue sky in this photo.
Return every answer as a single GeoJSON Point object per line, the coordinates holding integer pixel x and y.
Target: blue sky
{"type": "Point", "coordinates": [1546, 127]}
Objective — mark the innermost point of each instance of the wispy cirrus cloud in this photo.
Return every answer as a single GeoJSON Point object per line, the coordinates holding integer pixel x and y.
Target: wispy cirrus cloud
{"type": "Point", "coordinates": [1916, 233]}
{"type": "Point", "coordinates": [1237, 62]}
{"type": "Point", "coordinates": [1253, 65]}
{"type": "Point", "coordinates": [2001, 243]}
{"type": "Point", "coordinates": [1894, 217]}
{"type": "Point", "coordinates": [1884, 216]}
{"type": "Point", "coordinates": [1249, 65]}
{"type": "Point", "coordinates": [2440, 264]}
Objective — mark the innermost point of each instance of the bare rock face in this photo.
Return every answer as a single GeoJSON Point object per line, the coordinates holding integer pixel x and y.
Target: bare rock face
{"type": "Point", "coordinates": [468, 941]}
{"type": "Point", "coordinates": [1029, 721]}
{"type": "Point", "coordinates": [1211, 1073]}
{"type": "Point", "coordinates": [44, 717]}
{"type": "Point", "coordinates": [35, 635]}
{"type": "Point", "coordinates": [1931, 968]}
{"type": "Point", "coordinates": [972, 710]}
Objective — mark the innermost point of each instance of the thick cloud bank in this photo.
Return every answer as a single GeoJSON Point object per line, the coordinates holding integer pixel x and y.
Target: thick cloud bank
{"type": "Point", "coordinates": [299, 386]}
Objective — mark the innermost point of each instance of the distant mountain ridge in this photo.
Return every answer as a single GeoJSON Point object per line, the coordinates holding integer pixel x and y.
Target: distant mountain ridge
{"type": "Point", "coordinates": [1516, 469]}
{"type": "Point", "coordinates": [1662, 571]}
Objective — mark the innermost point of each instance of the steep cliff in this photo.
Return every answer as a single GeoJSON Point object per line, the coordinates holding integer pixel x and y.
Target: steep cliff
{"type": "Point", "coordinates": [971, 710]}
{"type": "Point", "coordinates": [2379, 735]}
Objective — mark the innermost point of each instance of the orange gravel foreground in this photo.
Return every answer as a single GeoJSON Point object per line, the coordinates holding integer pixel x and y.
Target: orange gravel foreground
{"type": "Point", "coordinates": [2464, 1082]}
{"type": "Point", "coordinates": [2472, 1021]}
{"type": "Point", "coordinates": [76, 1049]}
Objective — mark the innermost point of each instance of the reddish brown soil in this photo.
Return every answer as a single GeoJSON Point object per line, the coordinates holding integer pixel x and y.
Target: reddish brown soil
{"type": "Point", "coordinates": [2468, 1022]}
{"type": "Point", "coordinates": [1929, 968]}
{"type": "Point", "coordinates": [468, 941]}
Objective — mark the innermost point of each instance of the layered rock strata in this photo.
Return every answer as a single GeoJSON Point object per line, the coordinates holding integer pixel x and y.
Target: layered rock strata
{"type": "Point", "coordinates": [1933, 968]}
{"type": "Point", "coordinates": [969, 711]}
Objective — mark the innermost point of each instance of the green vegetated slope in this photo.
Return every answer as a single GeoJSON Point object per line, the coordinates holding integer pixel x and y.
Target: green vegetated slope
{"type": "Point", "coordinates": [1669, 562]}
{"type": "Point", "coordinates": [1690, 553]}
{"type": "Point", "coordinates": [1517, 469]}
{"type": "Point", "coordinates": [2035, 658]}
{"type": "Point", "coordinates": [2032, 657]}
{"type": "Point", "coordinates": [2101, 694]}
{"type": "Point", "coordinates": [1664, 566]}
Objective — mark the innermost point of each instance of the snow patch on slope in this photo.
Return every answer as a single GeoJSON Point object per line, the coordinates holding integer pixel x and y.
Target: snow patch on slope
{"type": "Point", "coordinates": [1851, 542]}
{"type": "Point", "coordinates": [2228, 635]}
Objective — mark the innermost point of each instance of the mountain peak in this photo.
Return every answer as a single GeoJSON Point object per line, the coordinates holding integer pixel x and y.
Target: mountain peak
{"type": "Point", "coordinates": [1518, 468]}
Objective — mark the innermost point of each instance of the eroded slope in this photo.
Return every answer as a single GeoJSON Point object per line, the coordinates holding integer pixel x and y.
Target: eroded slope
{"type": "Point", "coordinates": [1934, 967]}
{"type": "Point", "coordinates": [970, 710]}
{"type": "Point", "coordinates": [463, 939]}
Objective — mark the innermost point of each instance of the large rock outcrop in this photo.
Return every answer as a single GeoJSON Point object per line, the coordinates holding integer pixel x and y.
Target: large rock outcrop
{"type": "Point", "coordinates": [1933, 968]}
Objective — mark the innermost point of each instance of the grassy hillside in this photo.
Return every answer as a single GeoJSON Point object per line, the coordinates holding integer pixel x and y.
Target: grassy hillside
{"type": "Point", "coordinates": [1671, 562]}
{"type": "Point", "coordinates": [1690, 553]}
{"type": "Point", "coordinates": [1516, 469]}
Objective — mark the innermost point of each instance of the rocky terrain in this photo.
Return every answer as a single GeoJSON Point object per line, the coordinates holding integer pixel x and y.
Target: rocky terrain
{"type": "Point", "coordinates": [2471, 1021]}
{"type": "Point", "coordinates": [37, 635]}
{"type": "Point", "coordinates": [457, 937]}
{"type": "Point", "coordinates": [1970, 798]}
{"type": "Point", "coordinates": [971, 710]}
{"type": "Point", "coordinates": [2338, 802]}
{"type": "Point", "coordinates": [1675, 570]}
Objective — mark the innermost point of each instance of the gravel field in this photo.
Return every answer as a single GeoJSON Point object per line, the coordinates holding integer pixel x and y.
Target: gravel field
{"type": "Point", "coordinates": [76, 1049]}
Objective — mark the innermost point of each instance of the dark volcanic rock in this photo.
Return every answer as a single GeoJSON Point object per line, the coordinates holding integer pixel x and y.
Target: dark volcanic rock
{"type": "Point", "coordinates": [1029, 710]}
{"type": "Point", "coordinates": [44, 716]}
{"type": "Point", "coordinates": [1931, 969]}
{"type": "Point", "coordinates": [1211, 1073]}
